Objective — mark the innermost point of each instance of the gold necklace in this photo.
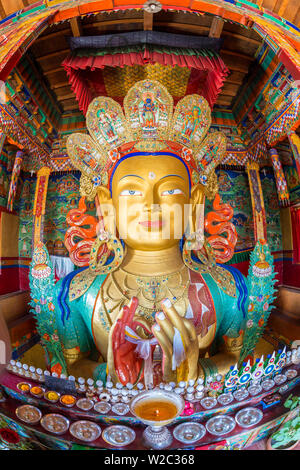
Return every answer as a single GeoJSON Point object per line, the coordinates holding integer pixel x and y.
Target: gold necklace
{"type": "Point", "coordinates": [150, 290]}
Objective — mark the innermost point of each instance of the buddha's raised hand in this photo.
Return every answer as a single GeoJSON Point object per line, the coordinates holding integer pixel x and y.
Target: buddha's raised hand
{"type": "Point", "coordinates": [127, 363]}
{"type": "Point", "coordinates": [168, 324]}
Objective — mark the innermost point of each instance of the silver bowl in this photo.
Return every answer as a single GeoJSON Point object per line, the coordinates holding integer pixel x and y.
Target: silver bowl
{"type": "Point", "coordinates": [29, 414]}
{"type": "Point", "coordinates": [220, 425]}
{"type": "Point", "coordinates": [102, 407]}
{"type": "Point", "coordinates": [84, 404]}
{"type": "Point", "coordinates": [225, 398]}
{"type": "Point", "coordinates": [208, 402]}
{"type": "Point", "coordinates": [46, 396]}
{"type": "Point", "coordinates": [23, 391]}
{"type": "Point", "coordinates": [268, 384]}
{"type": "Point", "coordinates": [280, 379]}
{"type": "Point", "coordinates": [118, 435]}
{"type": "Point", "coordinates": [86, 431]}
{"type": "Point", "coordinates": [291, 374]}
{"type": "Point", "coordinates": [248, 417]}
{"type": "Point", "coordinates": [254, 390]}
{"type": "Point", "coordinates": [283, 389]}
{"type": "Point", "coordinates": [55, 423]}
{"type": "Point", "coordinates": [189, 432]}
{"type": "Point", "coordinates": [241, 394]}
{"type": "Point", "coordinates": [120, 409]}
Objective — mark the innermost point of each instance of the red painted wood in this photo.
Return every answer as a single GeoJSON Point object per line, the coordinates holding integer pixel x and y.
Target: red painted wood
{"type": "Point", "coordinates": [9, 279]}
{"type": "Point", "coordinates": [291, 274]}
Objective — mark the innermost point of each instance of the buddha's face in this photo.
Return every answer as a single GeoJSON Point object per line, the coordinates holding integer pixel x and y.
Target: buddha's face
{"type": "Point", "coordinates": [151, 196]}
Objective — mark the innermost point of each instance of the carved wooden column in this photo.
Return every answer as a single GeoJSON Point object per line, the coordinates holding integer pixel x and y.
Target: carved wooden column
{"type": "Point", "coordinates": [281, 185]}
{"type": "Point", "coordinates": [14, 180]}
{"type": "Point", "coordinates": [257, 200]}
{"type": "Point", "coordinates": [40, 203]}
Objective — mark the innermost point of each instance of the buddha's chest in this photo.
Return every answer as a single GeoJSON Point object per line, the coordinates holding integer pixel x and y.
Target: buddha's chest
{"type": "Point", "coordinates": [189, 293]}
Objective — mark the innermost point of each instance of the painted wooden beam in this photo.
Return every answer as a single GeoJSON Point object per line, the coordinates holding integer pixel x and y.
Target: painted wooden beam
{"type": "Point", "coordinates": [282, 8]}
{"type": "Point", "coordinates": [71, 107]}
{"type": "Point", "coordinates": [76, 27]}
{"type": "Point", "coordinates": [52, 54]}
{"type": "Point", "coordinates": [48, 37]}
{"type": "Point", "coordinates": [54, 86]}
{"type": "Point", "coordinates": [242, 38]}
{"type": "Point", "coordinates": [2, 11]}
{"type": "Point", "coordinates": [114, 22]}
{"type": "Point", "coordinates": [148, 21]}
{"type": "Point", "coordinates": [192, 28]}
{"type": "Point", "coordinates": [51, 71]}
{"type": "Point", "coordinates": [239, 55]}
{"type": "Point", "coordinates": [66, 96]}
{"type": "Point", "coordinates": [216, 28]}
{"type": "Point", "coordinates": [41, 80]}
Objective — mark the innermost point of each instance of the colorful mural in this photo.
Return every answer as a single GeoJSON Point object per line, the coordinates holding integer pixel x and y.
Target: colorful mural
{"type": "Point", "coordinates": [63, 195]}
{"type": "Point", "coordinates": [4, 180]}
{"type": "Point", "coordinates": [26, 216]}
{"type": "Point", "coordinates": [293, 183]}
{"type": "Point", "coordinates": [274, 237]}
{"type": "Point", "coordinates": [233, 138]}
{"type": "Point", "coordinates": [234, 190]}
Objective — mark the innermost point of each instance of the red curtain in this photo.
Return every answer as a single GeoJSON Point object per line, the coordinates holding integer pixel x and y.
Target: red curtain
{"type": "Point", "coordinates": [85, 76]}
{"type": "Point", "coordinates": [295, 213]}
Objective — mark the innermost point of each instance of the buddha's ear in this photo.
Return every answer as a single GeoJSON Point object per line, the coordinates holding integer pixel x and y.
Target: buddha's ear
{"type": "Point", "coordinates": [197, 200]}
{"type": "Point", "coordinates": [197, 194]}
{"type": "Point", "coordinates": [105, 208]}
{"type": "Point", "coordinates": [104, 196]}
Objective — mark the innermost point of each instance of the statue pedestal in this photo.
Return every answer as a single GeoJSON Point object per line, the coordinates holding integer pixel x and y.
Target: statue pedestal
{"type": "Point", "coordinates": [237, 439]}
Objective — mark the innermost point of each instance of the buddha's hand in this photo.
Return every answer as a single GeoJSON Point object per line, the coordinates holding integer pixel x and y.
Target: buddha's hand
{"type": "Point", "coordinates": [127, 363]}
{"type": "Point", "coordinates": [168, 324]}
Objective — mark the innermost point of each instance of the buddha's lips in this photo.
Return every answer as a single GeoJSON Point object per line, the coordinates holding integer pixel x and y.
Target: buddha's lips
{"type": "Point", "coordinates": [151, 223]}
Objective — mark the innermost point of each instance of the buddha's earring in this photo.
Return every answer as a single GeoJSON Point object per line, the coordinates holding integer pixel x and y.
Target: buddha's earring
{"type": "Point", "coordinates": [109, 245]}
{"type": "Point", "coordinates": [202, 263]}
{"type": "Point", "coordinates": [206, 264]}
{"type": "Point", "coordinates": [195, 240]}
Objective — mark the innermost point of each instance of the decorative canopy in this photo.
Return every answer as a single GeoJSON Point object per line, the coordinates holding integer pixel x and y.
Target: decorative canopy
{"type": "Point", "coordinates": [184, 66]}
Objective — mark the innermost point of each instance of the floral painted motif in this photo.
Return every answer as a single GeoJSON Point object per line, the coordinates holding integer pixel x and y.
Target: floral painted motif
{"type": "Point", "coordinates": [274, 236]}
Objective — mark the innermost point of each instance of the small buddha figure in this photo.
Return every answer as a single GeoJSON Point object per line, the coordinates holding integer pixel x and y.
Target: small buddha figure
{"type": "Point", "coordinates": [152, 299]}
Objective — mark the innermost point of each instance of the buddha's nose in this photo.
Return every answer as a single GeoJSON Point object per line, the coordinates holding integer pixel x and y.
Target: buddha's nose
{"type": "Point", "coordinates": [153, 208]}
{"type": "Point", "coordinates": [151, 204]}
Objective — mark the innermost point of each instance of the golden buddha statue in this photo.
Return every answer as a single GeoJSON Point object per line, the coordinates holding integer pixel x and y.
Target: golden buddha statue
{"type": "Point", "coordinates": [152, 300]}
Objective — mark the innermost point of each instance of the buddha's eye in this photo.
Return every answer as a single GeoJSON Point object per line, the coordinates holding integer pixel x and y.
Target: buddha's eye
{"type": "Point", "coordinates": [131, 192]}
{"type": "Point", "coordinates": [171, 192]}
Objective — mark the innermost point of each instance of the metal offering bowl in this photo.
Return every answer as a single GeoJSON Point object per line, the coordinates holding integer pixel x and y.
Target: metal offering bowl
{"type": "Point", "coordinates": [157, 394]}
{"type": "Point", "coordinates": [156, 435]}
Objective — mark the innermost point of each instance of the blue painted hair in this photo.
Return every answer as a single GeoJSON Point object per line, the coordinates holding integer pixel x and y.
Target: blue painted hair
{"type": "Point", "coordinates": [137, 154]}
